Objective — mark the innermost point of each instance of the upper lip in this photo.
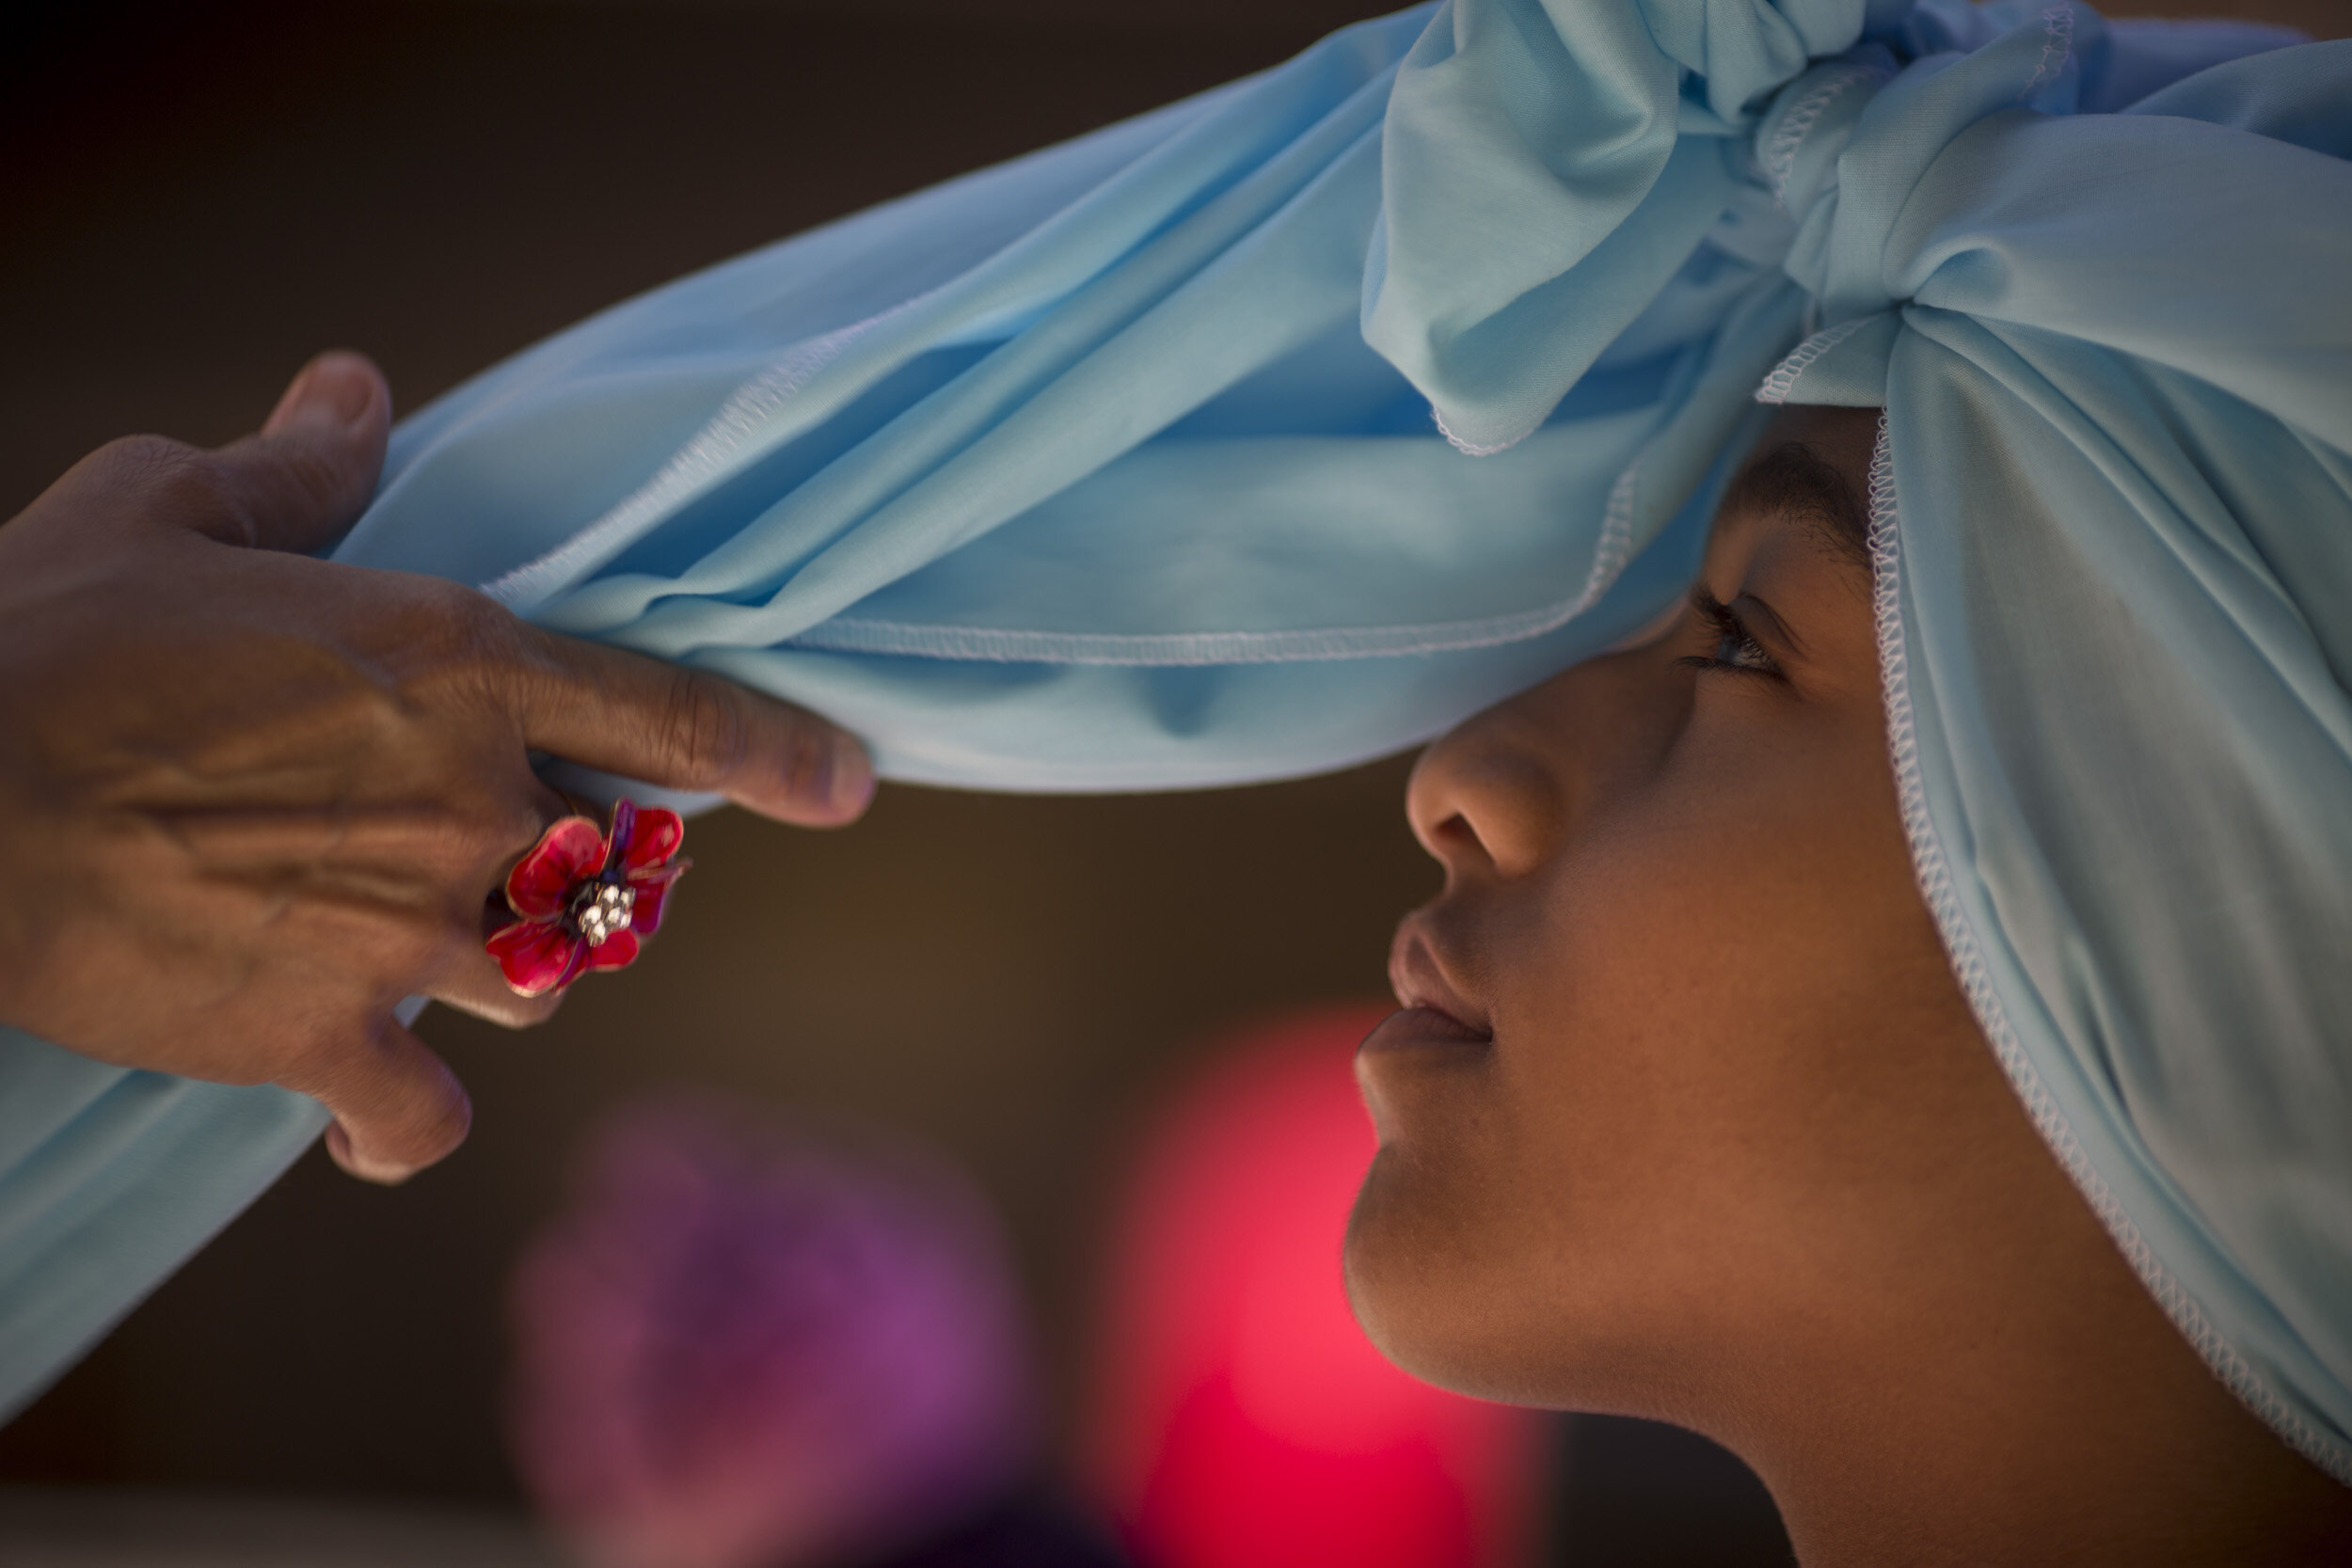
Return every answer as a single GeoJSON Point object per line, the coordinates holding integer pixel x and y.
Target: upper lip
{"type": "Point", "coordinates": [1417, 976]}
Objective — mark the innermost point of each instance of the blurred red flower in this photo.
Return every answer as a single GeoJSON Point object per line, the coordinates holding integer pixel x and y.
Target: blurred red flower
{"type": "Point", "coordinates": [1241, 1418]}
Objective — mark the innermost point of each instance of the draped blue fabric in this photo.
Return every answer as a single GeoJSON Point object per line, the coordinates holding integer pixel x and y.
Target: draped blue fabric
{"type": "Point", "coordinates": [1115, 468]}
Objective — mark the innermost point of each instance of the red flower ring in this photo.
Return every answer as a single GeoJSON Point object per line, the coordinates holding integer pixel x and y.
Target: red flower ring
{"type": "Point", "coordinates": [582, 899]}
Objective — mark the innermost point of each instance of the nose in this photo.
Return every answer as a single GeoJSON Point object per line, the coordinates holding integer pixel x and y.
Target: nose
{"type": "Point", "coordinates": [1488, 800]}
{"type": "Point", "coordinates": [1504, 791]}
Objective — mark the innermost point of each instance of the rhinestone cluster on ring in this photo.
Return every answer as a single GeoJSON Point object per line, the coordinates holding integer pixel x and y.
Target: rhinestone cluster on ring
{"type": "Point", "coordinates": [602, 911]}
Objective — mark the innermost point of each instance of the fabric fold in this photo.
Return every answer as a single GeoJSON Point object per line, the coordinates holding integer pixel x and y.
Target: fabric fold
{"type": "Point", "coordinates": [1546, 162]}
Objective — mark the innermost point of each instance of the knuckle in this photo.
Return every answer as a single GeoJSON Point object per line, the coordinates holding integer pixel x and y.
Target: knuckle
{"type": "Point", "coordinates": [703, 729]}
{"type": "Point", "coordinates": [477, 629]}
{"type": "Point", "coordinates": [315, 475]}
{"type": "Point", "coordinates": [421, 1114]}
{"type": "Point", "coordinates": [410, 955]}
{"type": "Point", "coordinates": [457, 616]}
{"type": "Point", "coordinates": [142, 459]}
{"type": "Point", "coordinates": [483, 836]}
{"type": "Point", "coordinates": [175, 482]}
{"type": "Point", "coordinates": [449, 639]}
{"type": "Point", "coordinates": [509, 826]}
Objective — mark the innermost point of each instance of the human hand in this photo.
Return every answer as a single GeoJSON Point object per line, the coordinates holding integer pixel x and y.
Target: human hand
{"type": "Point", "coordinates": [250, 800]}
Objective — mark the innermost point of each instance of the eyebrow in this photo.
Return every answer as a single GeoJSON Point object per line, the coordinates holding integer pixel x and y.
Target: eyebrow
{"type": "Point", "coordinates": [1794, 481]}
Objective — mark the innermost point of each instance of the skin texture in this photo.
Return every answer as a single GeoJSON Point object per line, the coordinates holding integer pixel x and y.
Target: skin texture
{"type": "Point", "coordinates": [1691, 1122]}
{"type": "Point", "coordinates": [250, 800]}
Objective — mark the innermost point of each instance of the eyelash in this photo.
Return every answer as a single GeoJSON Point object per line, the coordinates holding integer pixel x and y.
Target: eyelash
{"type": "Point", "coordinates": [1732, 636]}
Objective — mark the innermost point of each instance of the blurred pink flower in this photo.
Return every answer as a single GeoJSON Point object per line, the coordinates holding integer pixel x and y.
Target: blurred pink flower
{"type": "Point", "coordinates": [743, 1347]}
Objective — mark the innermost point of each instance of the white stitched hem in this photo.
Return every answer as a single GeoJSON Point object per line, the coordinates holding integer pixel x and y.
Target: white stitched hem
{"type": "Point", "coordinates": [1611, 551]}
{"type": "Point", "coordinates": [1470, 448]}
{"type": "Point", "coordinates": [1779, 157]}
{"type": "Point", "coordinates": [1783, 379]}
{"type": "Point", "coordinates": [2058, 45]}
{"type": "Point", "coordinates": [746, 416]}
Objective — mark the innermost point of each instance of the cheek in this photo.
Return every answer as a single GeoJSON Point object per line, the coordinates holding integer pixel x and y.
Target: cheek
{"type": "Point", "coordinates": [1716, 967]}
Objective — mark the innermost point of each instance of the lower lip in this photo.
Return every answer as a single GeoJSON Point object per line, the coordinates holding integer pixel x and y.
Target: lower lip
{"type": "Point", "coordinates": [1424, 1029]}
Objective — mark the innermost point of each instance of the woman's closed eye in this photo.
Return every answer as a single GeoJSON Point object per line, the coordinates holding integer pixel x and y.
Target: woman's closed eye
{"type": "Point", "coordinates": [1734, 648]}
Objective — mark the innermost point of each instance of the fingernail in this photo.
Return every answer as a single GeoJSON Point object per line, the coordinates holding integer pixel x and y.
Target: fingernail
{"type": "Point", "coordinates": [332, 389]}
{"type": "Point", "coordinates": [849, 779]}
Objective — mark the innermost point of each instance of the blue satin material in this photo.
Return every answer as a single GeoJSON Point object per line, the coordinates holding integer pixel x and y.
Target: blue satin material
{"type": "Point", "coordinates": [1115, 467]}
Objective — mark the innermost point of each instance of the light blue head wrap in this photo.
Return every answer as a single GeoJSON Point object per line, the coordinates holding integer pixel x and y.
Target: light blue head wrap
{"type": "Point", "coordinates": [1114, 468]}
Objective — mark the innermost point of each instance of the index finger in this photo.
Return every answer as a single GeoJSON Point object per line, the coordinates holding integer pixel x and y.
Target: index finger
{"type": "Point", "coordinates": [687, 729]}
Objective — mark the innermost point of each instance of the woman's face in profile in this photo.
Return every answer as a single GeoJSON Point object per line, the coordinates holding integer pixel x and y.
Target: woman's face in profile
{"type": "Point", "coordinates": [1681, 1063]}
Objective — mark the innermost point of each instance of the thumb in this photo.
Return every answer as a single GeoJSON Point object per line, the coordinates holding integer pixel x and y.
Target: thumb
{"type": "Point", "coordinates": [306, 477]}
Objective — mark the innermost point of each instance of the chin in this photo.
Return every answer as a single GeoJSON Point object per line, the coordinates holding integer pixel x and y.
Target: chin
{"type": "Point", "coordinates": [1438, 1303]}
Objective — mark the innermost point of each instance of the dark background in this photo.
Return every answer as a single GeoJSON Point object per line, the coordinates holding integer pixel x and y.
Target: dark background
{"type": "Point", "coordinates": [193, 197]}
{"type": "Point", "coordinates": [201, 197]}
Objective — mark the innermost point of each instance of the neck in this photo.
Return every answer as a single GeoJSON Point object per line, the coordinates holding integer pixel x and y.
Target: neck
{"type": "Point", "coordinates": [1928, 1465]}
{"type": "Point", "coordinates": [2040, 1411]}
